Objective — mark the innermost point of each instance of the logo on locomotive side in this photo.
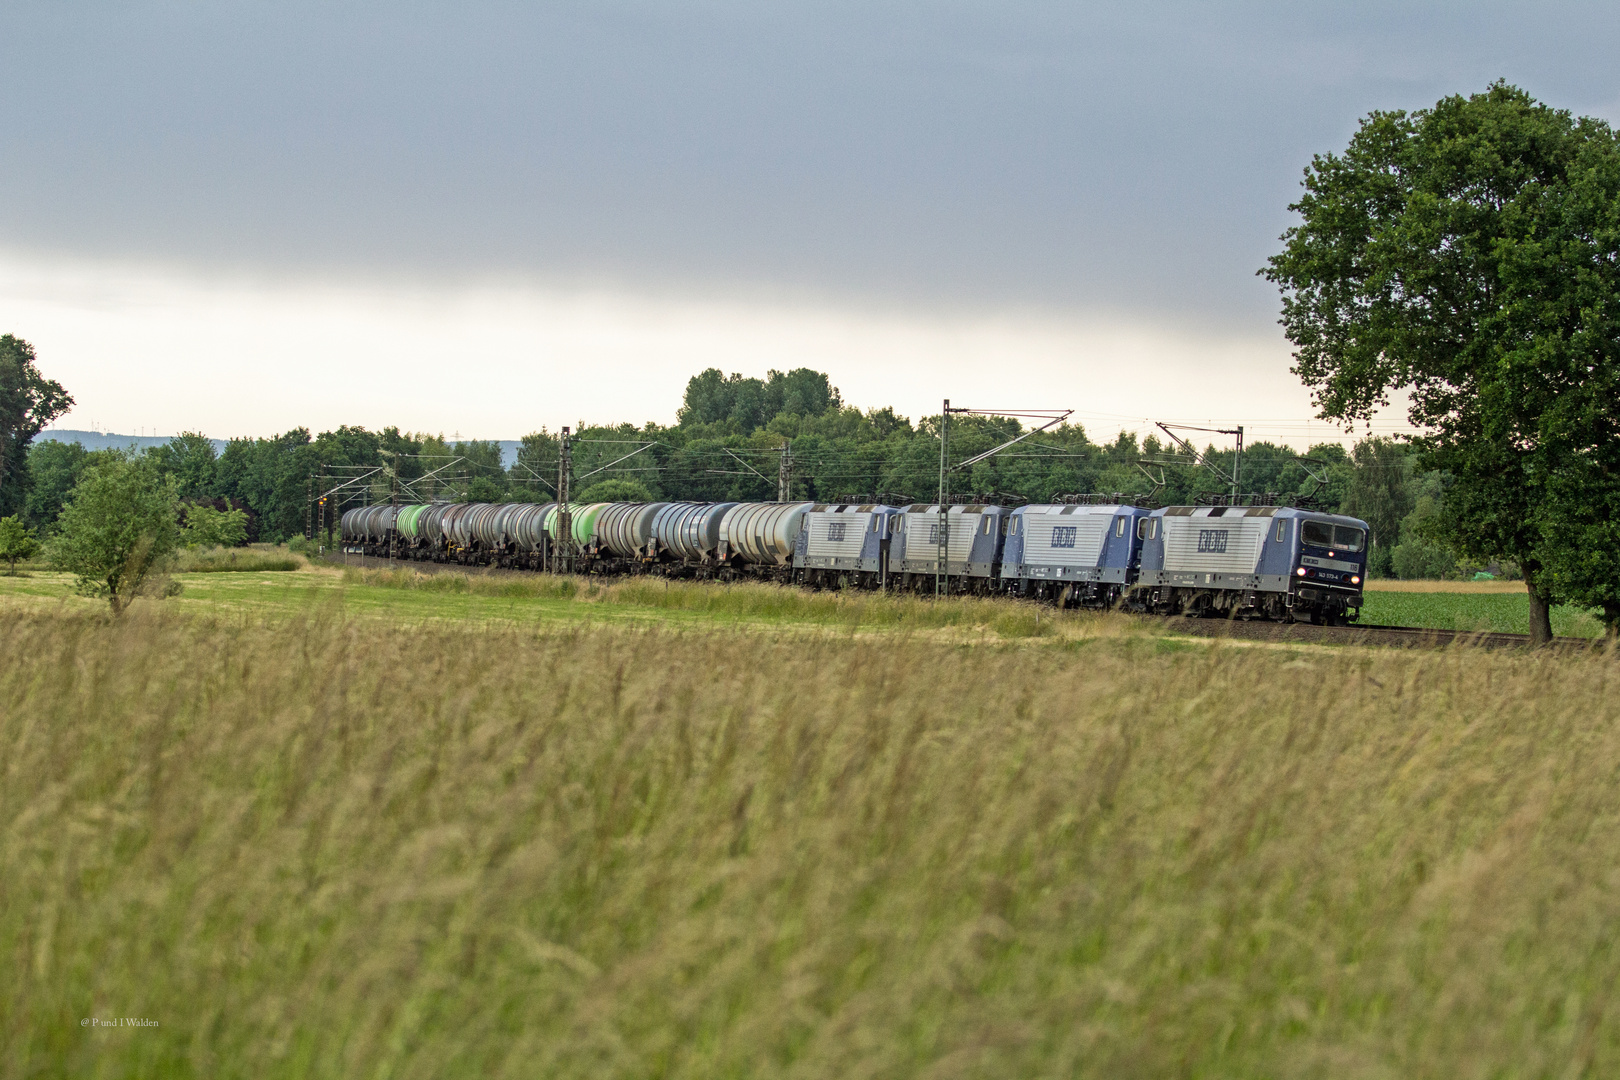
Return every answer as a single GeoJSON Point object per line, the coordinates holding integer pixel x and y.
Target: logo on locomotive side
{"type": "Point", "coordinates": [1063, 536]}
{"type": "Point", "coordinates": [835, 530]}
{"type": "Point", "coordinates": [1212, 541]}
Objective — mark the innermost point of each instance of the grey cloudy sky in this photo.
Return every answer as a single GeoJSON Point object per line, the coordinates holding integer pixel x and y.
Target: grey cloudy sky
{"type": "Point", "coordinates": [1104, 169]}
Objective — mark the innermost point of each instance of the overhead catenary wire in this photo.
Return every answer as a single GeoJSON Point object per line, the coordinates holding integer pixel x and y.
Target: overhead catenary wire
{"type": "Point", "coordinates": [828, 460]}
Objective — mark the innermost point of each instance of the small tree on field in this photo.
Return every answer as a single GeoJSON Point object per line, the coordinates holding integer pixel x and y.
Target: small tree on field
{"type": "Point", "coordinates": [118, 528]}
{"type": "Point", "coordinates": [208, 527]}
{"type": "Point", "coordinates": [16, 542]}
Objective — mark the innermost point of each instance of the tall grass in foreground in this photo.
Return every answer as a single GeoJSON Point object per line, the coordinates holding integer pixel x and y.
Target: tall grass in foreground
{"type": "Point", "coordinates": [340, 849]}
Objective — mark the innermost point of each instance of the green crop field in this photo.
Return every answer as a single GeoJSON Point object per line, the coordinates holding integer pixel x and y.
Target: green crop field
{"type": "Point", "coordinates": [1497, 612]}
{"type": "Point", "coordinates": [323, 826]}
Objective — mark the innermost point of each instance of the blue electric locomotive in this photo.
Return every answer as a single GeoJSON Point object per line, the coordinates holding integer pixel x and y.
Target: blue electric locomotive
{"type": "Point", "coordinates": [1254, 562]}
{"type": "Point", "coordinates": [1075, 556]}
{"type": "Point", "coordinates": [973, 539]}
{"type": "Point", "coordinates": [843, 545]}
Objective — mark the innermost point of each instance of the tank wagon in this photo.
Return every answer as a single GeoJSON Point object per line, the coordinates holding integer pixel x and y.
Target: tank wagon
{"type": "Point", "coordinates": [845, 546]}
{"type": "Point", "coordinates": [758, 539]}
{"type": "Point", "coordinates": [582, 519]}
{"type": "Point", "coordinates": [406, 523]}
{"type": "Point", "coordinates": [623, 532]}
{"type": "Point", "coordinates": [368, 524]}
{"type": "Point", "coordinates": [1261, 562]}
{"type": "Point", "coordinates": [686, 538]}
{"type": "Point", "coordinates": [1264, 562]}
{"type": "Point", "coordinates": [974, 535]}
{"type": "Point", "coordinates": [527, 540]}
{"type": "Point", "coordinates": [1076, 556]}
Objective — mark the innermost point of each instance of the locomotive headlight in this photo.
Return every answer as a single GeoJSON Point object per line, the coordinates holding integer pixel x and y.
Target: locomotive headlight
{"type": "Point", "coordinates": [1301, 571]}
{"type": "Point", "coordinates": [1355, 579]}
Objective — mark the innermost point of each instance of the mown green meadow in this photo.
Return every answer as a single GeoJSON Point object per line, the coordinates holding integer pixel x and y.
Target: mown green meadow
{"type": "Point", "coordinates": [411, 598]}
{"type": "Point", "coordinates": [1497, 612]}
{"type": "Point", "coordinates": [720, 838]}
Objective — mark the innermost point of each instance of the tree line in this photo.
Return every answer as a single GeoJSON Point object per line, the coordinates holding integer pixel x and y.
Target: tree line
{"type": "Point", "coordinates": [726, 446]}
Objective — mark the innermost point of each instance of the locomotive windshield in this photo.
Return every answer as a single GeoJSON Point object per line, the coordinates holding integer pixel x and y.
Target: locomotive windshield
{"type": "Point", "coordinates": [1343, 537]}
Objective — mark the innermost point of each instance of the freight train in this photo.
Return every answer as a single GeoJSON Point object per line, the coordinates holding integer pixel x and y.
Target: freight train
{"type": "Point", "coordinates": [1244, 562]}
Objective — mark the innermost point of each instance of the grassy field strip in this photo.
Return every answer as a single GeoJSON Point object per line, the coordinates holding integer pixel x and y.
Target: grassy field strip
{"type": "Point", "coordinates": [325, 847]}
{"type": "Point", "coordinates": [459, 599]}
{"type": "Point", "coordinates": [404, 595]}
{"type": "Point", "coordinates": [1474, 609]}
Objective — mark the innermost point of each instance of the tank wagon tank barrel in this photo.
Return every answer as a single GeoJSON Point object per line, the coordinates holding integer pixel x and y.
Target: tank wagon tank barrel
{"type": "Point", "coordinates": [761, 533]}
{"type": "Point", "coordinates": [624, 529]}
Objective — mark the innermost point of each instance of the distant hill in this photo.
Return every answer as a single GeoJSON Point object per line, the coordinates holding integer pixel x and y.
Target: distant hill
{"type": "Point", "coordinates": [98, 440]}
{"type": "Point", "coordinates": [106, 440]}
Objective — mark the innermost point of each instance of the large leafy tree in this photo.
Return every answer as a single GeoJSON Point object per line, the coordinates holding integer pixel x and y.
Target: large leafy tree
{"type": "Point", "coordinates": [53, 468]}
{"type": "Point", "coordinates": [481, 464]}
{"type": "Point", "coordinates": [28, 401]}
{"type": "Point", "coordinates": [744, 404]}
{"type": "Point", "coordinates": [1460, 254]}
{"type": "Point", "coordinates": [271, 476]}
{"type": "Point", "coordinates": [191, 459]}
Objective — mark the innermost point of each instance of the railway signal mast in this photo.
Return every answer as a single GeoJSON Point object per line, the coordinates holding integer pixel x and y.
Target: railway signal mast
{"type": "Point", "coordinates": [563, 562]}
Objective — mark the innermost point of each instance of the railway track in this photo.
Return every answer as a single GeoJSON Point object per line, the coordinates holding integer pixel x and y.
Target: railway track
{"type": "Point", "coordinates": [1399, 637]}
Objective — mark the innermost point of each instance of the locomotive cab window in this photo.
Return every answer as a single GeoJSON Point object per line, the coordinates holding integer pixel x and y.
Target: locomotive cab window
{"type": "Point", "coordinates": [1282, 530]}
{"type": "Point", "coordinates": [989, 523]}
{"type": "Point", "coordinates": [1119, 526]}
{"type": "Point", "coordinates": [1348, 538]}
{"type": "Point", "coordinates": [1141, 528]}
{"type": "Point", "coordinates": [1317, 533]}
